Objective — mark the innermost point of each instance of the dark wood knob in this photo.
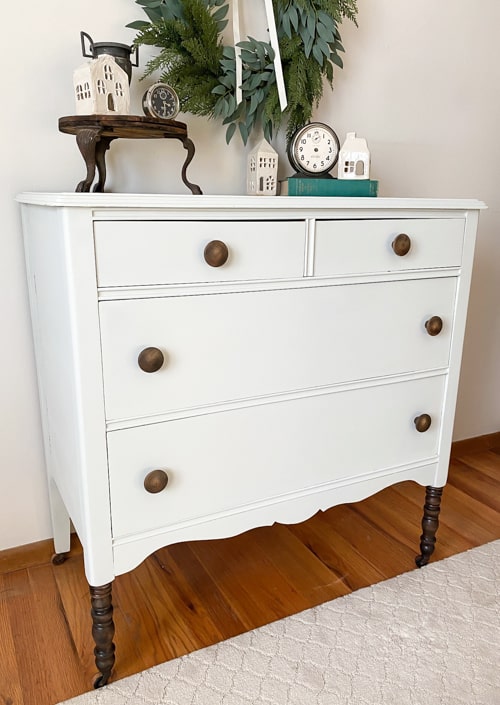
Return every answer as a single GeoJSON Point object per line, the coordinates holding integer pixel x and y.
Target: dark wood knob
{"type": "Point", "coordinates": [155, 481]}
{"type": "Point", "coordinates": [401, 245]}
{"type": "Point", "coordinates": [216, 253]}
{"type": "Point", "coordinates": [150, 359]}
{"type": "Point", "coordinates": [434, 325]}
{"type": "Point", "coordinates": [423, 423]}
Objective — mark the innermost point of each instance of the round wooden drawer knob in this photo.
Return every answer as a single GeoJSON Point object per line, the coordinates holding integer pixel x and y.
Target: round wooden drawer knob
{"type": "Point", "coordinates": [423, 423]}
{"type": "Point", "coordinates": [216, 253]}
{"type": "Point", "coordinates": [401, 245]}
{"type": "Point", "coordinates": [150, 359]}
{"type": "Point", "coordinates": [434, 325]}
{"type": "Point", "coordinates": [155, 481]}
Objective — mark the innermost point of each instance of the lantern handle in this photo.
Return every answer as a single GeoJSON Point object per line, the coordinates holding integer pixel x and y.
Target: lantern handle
{"type": "Point", "coordinates": [134, 52]}
{"type": "Point", "coordinates": [91, 44]}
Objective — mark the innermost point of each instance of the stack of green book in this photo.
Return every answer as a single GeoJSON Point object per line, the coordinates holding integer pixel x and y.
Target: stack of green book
{"type": "Point", "coordinates": [305, 186]}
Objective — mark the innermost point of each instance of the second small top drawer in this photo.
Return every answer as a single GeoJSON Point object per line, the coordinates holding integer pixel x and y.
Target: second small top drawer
{"type": "Point", "coordinates": [139, 253]}
{"type": "Point", "coordinates": [371, 246]}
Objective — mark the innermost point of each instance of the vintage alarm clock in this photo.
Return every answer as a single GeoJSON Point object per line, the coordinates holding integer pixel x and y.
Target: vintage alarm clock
{"type": "Point", "coordinates": [160, 101]}
{"type": "Point", "coordinates": [313, 150]}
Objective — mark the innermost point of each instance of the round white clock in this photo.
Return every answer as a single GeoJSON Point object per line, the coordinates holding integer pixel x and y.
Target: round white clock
{"type": "Point", "coordinates": [314, 149]}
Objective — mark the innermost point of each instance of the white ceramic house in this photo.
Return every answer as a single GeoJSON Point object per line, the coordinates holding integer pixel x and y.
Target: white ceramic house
{"type": "Point", "coordinates": [101, 88]}
{"type": "Point", "coordinates": [262, 170]}
{"type": "Point", "coordinates": [354, 158]}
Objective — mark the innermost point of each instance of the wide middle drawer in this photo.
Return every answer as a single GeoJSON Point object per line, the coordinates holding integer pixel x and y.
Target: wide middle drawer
{"type": "Point", "coordinates": [135, 253]}
{"type": "Point", "coordinates": [220, 348]}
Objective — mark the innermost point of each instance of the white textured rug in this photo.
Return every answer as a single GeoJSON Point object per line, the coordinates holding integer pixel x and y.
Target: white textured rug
{"type": "Point", "coordinates": [428, 637]}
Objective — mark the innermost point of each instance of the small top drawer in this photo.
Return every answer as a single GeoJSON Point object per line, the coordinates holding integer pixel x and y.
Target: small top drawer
{"type": "Point", "coordinates": [364, 246]}
{"type": "Point", "coordinates": [173, 252]}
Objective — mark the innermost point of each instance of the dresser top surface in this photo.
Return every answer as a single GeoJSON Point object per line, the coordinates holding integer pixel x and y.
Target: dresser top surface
{"type": "Point", "coordinates": [228, 203]}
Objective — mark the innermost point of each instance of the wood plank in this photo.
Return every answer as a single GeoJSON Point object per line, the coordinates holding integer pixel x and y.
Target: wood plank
{"type": "Point", "coordinates": [477, 484]}
{"type": "Point", "coordinates": [337, 553]}
{"type": "Point", "coordinates": [204, 588]}
{"type": "Point", "coordinates": [48, 665]}
{"type": "Point", "coordinates": [245, 568]}
{"type": "Point", "coordinates": [173, 621]}
{"type": "Point", "coordinates": [388, 554]}
{"type": "Point", "coordinates": [485, 462]}
{"type": "Point", "coordinates": [394, 514]}
{"type": "Point", "coordinates": [310, 580]}
{"type": "Point", "coordinates": [10, 685]}
{"type": "Point", "coordinates": [468, 517]}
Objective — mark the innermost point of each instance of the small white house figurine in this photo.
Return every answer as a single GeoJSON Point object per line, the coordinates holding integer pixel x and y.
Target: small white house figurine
{"type": "Point", "coordinates": [354, 158]}
{"type": "Point", "coordinates": [101, 88]}
{"type": "Point", "coordinates": [262, 170]}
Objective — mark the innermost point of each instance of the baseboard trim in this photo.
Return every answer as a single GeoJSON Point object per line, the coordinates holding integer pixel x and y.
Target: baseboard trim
{"type": "Point", "coordinates": [32, 554]}
{"type": "Point", "coordinates": [477, 444]}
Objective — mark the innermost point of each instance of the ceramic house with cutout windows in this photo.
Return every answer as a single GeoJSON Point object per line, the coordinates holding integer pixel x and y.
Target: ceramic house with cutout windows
{"type": "Point", "coordinates": [262, 170]}
{"type": "Point", "coordinates": [101, 88]}
{"type": "Point", "coordinates": [354, 158]}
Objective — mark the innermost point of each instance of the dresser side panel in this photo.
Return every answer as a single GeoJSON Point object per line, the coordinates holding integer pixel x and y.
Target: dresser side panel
{"type": "Point", "coordinates": [457, 341]}
{"type": "Point", "coordinates": [63, 299]}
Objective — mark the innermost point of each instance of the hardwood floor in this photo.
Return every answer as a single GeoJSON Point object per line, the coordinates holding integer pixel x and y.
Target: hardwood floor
{"type": "Point", "coordinates": [191, 595]}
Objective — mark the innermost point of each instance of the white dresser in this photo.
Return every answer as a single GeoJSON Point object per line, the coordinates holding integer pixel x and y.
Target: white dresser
{"type": "Point", "coordinates": [208, 364]}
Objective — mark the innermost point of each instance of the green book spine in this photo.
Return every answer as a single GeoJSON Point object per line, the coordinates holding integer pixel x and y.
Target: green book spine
{"type": "Point", "coordinates": [298, 186]}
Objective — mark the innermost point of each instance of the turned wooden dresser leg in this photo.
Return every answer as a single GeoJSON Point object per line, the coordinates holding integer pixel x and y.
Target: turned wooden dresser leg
{"type": "Point", "coordinates": [103, 630]}
{"type": "Point", "coordinates": [430, 523]}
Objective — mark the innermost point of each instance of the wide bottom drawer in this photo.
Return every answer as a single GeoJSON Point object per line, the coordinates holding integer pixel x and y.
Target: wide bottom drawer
{"type": "Point", "coordinates": [235, 460]}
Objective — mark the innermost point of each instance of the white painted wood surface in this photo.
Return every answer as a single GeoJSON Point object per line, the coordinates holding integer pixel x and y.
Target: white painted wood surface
{"type": "Point", "coordinates": [171, 252]}
{"type": "Point", "coordinates": [291, 381]}
{"type": "Point", "coordinates": [231, 461]}
{"type": "Point", "coordinates": [264, 342]}
{"type": "Point", "coordinates": [365, 246]}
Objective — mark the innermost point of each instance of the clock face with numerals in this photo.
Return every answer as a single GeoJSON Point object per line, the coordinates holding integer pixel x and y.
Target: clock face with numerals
{"type": "Point", "coordinates": [161, 101]}
{"type": "Point", "coordinates": [314, 149]}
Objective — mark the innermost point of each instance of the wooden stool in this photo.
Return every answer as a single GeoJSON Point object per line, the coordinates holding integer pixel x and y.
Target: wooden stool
{"type": "Point", "coordinates": [94, 134]}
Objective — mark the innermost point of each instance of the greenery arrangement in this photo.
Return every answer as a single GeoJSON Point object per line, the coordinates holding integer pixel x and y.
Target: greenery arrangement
{"type": "Point", "coordinates": [194, 61]}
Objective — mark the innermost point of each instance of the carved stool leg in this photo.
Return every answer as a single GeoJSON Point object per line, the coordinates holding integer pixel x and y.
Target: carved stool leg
{"type": "Point", "coordinates": [189, 147]}
{"type": "Point", "coordinates": [103, 630]}
{"type": "Point", "coordinates": [100, 158]}
{"type": "Point", "coordinates": [430, 523]}
{"type": "Point", "coordinates": [87, 140]}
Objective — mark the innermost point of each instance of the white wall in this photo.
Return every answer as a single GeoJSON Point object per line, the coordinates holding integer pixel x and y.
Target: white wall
{"type": "Point", "coordinates": [421, 83]}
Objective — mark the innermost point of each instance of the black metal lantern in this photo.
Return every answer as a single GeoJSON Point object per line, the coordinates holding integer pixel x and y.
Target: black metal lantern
{"type": "Point", "coordinates": [122, 53]}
